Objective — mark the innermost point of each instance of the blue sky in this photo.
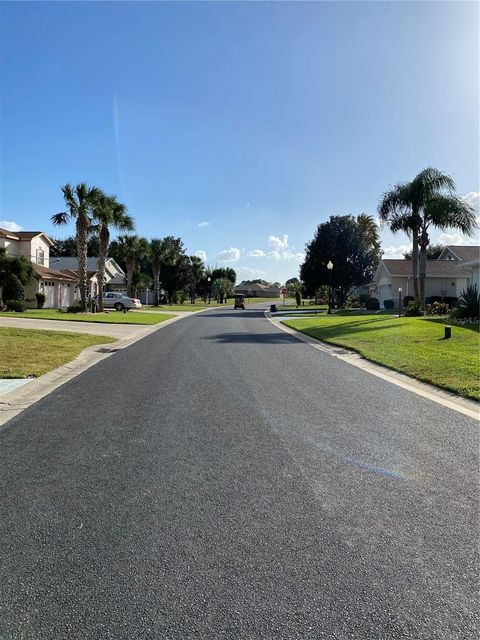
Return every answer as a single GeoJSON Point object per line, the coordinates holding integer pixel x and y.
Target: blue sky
{"type": "Point", "coordinates": [237, 126]}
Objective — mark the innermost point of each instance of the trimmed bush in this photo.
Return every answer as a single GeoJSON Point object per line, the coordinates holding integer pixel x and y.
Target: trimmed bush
{"type": "Point", "coordinates": [41, 297]}
{"type": "Point", "coordinates": [15, 305]}
{"type": "Point", "coordinates": [372, 304]}
{"type": "Point", "coordinates": [75, 308]}
{"type": "Point", "coordinates": [363, 298]}
{"type": "Point", "coordinates": [407, 300]}
{"type": "Point", "coordinates": [389, 304]}
{"type": "Point", "coordinates": [414, 309]}
{"type": "Point", "coordinates": [12, 289]}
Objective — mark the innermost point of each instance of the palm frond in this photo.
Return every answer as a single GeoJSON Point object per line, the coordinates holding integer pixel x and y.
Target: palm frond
{"type": "Point", "coordinates": [61, 218]}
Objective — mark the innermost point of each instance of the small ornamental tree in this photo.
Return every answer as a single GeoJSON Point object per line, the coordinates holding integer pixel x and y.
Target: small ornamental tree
{"type": "Point", "coordinates": [13, 289]}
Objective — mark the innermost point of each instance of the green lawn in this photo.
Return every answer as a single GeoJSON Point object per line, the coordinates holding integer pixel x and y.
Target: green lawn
{"type": "Point", "coordinates": [29, 352]}
{"type": "Point", "coordinates": [112, 317]}
{"type": "Point", "coordinates": [414, 346]}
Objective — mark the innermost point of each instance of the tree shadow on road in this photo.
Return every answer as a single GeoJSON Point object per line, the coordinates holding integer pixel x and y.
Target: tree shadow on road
{"type": "Point", "coordinates": [253, 338]}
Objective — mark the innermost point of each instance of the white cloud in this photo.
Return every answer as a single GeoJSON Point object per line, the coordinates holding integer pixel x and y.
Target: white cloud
{"type": "Point", "coordinates": [396, 252]}
{"type": "Point", "coordinates": [278, 243]}
{"type": "Point", "coordinates": [203, 224]}
{"type": "Point", "coordinates": [281, 251]}
{"type": "Point", "coordinates": [256, 253]}
{"type": "Point", "coordinates": [473, 199]}
{"type": "Point", "coordinates": [458, 239]}
{"type": "Point", "coordinates": [10, 225]}
{"type": "Point", "coordinates": [202, 255]}
{"type": "Point", "coordinates": [250, 272]}
{"type": "Point", "coordinates": [229, 255]}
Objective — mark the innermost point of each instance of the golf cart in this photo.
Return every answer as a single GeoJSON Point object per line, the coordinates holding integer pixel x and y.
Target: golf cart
{"type": "Point", "coordinates": [239, 301]}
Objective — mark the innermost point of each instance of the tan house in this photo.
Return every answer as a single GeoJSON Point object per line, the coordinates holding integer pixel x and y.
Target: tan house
{"type": "Point", "coordinates": [59, 287]}
{"type": "Point", "coordinates": [257, 290]}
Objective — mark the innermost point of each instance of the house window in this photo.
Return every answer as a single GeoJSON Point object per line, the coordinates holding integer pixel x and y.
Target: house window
{"type": "Point", "coordinates": [40, 256]}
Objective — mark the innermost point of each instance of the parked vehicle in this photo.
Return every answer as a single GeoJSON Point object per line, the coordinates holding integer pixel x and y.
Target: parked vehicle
{"type": "Point", "coordinates": [120, 302]}
{"type": "Point", "coordinates": [239, 301]}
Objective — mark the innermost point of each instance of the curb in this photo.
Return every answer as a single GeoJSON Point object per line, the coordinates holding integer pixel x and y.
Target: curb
{"type": "Point", "coordinates": [14, 402]}
{"type": "Point", "coordinates": [440, 396]}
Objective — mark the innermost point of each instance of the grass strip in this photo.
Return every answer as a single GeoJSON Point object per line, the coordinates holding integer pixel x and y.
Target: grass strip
{"type": "Point", "coordinates": [414, 346]}
{"type": "Point", "coordinates": [111, 317]}
{"type": "Point", "coordinates": [28, 353]}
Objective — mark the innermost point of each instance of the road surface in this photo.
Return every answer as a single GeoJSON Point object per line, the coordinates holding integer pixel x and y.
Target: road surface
{"type": "Point", "coordinates": [220, 479]}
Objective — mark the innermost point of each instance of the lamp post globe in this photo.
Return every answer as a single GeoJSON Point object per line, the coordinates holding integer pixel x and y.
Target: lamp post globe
{"type": "Point", "coordinates": [329, 268]}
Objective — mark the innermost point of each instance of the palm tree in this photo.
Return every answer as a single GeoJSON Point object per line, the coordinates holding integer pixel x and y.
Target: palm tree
{"type": "Point", "coordinates": [80, 201]}
{"type": "Point", "coordinates": [400, 209]}
{"type": "Point", "coordinates": [107, 212]}
{"type": "Point", "coordinates": [415, 206]}
{"type": "Point", "coordinates": [156, 255]}
{"type": "Point", "coordinates": [132, 249]}
{"type": "Point", "coordinates": [197, 272]}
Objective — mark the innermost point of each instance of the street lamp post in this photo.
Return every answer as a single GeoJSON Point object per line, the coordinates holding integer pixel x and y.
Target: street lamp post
{"type": "Point", "coordinates": [329, 267]}
{"type": "Point", "coordinates": [209, 288]}
{"type": "Point", "coordinates": [399, 301]}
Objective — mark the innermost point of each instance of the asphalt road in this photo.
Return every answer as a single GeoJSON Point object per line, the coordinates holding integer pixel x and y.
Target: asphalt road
{"type": "Point", "coordinates": [220, 479]}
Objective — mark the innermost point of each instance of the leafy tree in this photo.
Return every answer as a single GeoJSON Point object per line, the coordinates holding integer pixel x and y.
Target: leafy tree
{"type": "Point", "coordinates": [130, 250]}
{"type": "Point", "coordinates": [140, 281]}
{"type": "Point", "coordinates": [80, 201]}
{"type": "Point", "coordinates": [197, 274]}
{"type": "Point", "coordinates": [65, 247]}
{"type": "Point", "coordinates": [222, 288]}
{"type": "Point", "coordinates": [18, 266]}
{"type": "Point", "coordinates": [413, 207]}
{"type": "Point", "coordinates": [224, 272]}
{"type": "Point", "coordinates": [156, 254]}
{"type": "Point", "coordinates": [175, 267]}
{"type": "Point", "coordinates": [13, 289]}
{"type": "Point", "coordinates": [351, 244]}
{"type": "Point", "coordinates": [107, 212]}
{"type": "Point", "coordinates": [433, 252]}
{"type": "Point", "coordinates": [293, 284]}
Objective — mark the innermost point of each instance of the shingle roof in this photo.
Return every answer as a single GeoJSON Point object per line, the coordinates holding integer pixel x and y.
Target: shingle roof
{"type": "Point", "coordinates": [434, 268]}
{"type": "Point", "coordinates": [51, 274]}
{"type": "Point", "coordinates": [4, 233]}
{"type": "Point", "coordinates": [465, 253]}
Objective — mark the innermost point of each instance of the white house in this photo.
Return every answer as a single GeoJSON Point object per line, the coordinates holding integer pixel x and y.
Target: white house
{"type": "Point", "coordinates": [445, 279]}
{"type": "Point", "coordinates": [466, 256]}
{"type": "Point", "coordinates": [257, 290]}
{"type": "Point", "coordinates": [59, 288]}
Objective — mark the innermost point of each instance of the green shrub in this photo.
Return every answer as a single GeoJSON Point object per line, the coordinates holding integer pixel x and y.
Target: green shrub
{"type": "Point", "coordinates": [41, 297]}
{"type": "Point", "coordinates": [298, 298]}
{"type": "Point", "coordinates": [372, 304]}
{"type": "Point", "coordinates": [12, 289]}
{"type": "Point", "coordinates": [363, 298]}
{"type": "Point", "coordinates": [75, 308]}
{"type": "Point", "coordinates": [407, 300]}
{"type": "Point", "coordinates": [389, 304]}
{"type": "Point", "coordinates": [414, 309]}
{"type": "Point", "coordinates": [15, 305]}
{"type": "Point", "coordinates": [468, 303]}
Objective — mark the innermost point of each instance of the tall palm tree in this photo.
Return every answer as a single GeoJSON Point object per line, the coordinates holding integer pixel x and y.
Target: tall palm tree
{"type": "Point", "coordinates": [197, 273]}
{"type": "Point", "coordinates": [400, 209]}
{"type": "Point", "coordinates": [415, 206]}
{"type": "Point", "coordinates": [132, 249]}
{"type": "Point", "coordinates": [107, 212]}
{"type": "Point", "coordinates": [156, 255]}
{"type": "Point", "coordinates": [80, 201]}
